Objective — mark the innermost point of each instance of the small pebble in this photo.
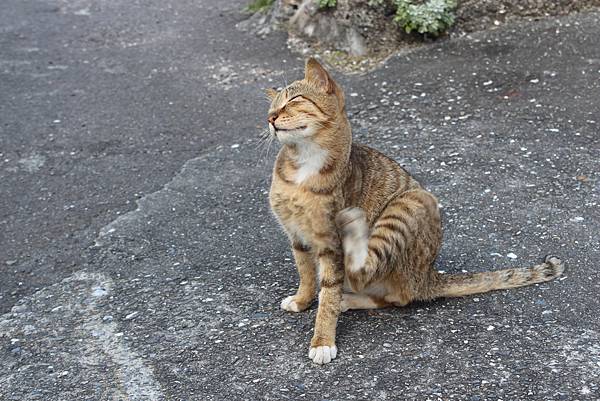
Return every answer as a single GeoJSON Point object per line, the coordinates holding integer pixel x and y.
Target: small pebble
{"type": "Point", "coordinates": [99, 292]}
{"type": "Point", "coordinates": [131, 315]}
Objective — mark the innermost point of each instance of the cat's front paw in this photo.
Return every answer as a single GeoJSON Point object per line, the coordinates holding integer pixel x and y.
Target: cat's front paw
{"type": "Point", "coordinates": [322, 354]}
{"type": "Point", "coordinates": [293, 304]}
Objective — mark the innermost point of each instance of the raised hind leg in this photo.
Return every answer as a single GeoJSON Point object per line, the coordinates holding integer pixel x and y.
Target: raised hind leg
{"type": "Point", "coordinates": [402, 243]}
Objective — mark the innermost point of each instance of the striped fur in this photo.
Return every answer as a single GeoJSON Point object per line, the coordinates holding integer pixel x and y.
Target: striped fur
{"type": "Point", "coordinates": [360, 226]}
{"type": "Point", "coordinates": [458, 285]}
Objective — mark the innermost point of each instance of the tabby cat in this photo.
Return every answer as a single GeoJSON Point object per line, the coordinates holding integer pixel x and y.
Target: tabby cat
{"type": "Point", "coordinates": [358, 224]}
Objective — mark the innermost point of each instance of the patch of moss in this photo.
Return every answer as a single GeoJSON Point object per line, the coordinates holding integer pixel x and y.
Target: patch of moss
{"type": "Point", "coordinates": [259, 6]}
{"type": "Point", "coordinates": [431, 17]}
{"type": "Point", "coordinates": [327, 3]}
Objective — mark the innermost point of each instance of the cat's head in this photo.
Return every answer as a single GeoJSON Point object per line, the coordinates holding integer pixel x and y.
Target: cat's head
{"type": "Point", "coordinates": [307, 106]}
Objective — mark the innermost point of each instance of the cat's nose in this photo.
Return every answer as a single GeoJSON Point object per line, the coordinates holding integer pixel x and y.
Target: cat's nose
{"type": "Point", "coordinates": [272, 118]}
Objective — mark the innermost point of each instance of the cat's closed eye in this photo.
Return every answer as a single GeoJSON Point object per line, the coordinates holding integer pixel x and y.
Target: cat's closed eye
{"type": "Point", "coordinates": [296, 99]}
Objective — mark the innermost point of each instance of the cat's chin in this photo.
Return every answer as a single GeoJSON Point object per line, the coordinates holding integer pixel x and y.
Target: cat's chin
{"type": "Point", "coordinates": [293, 136]}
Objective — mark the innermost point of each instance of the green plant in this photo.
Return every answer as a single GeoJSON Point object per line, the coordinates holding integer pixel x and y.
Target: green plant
{"type": "Point", "coordinates": [431, 17]}
{"type": "Point", "coordinates": [259, 5]}
{"type": "Point", "coordinates": [327, 3]}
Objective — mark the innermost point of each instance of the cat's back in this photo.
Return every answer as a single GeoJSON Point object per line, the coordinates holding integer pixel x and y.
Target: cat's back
{"type": "Point", "coordinates": [374, 178]}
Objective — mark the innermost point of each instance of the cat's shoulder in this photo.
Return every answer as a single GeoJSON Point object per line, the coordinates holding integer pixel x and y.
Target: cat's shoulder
{"type": "Point", "coordinates": [361, 152]}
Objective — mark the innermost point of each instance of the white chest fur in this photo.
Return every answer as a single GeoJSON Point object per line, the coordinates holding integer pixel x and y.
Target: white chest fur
{"type": "Point", "coordinates": [310, 160]}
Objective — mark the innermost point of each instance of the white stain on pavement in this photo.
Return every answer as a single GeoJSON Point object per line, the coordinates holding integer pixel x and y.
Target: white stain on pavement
{"type": "Point", "coordinates": [32, 163]}
{"type": "Point", "coordinates": [77, 306]}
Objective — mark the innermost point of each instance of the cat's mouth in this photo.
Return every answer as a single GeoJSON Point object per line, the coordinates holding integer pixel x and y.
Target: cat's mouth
{"type": "Point", "coordinates": [290, 129]}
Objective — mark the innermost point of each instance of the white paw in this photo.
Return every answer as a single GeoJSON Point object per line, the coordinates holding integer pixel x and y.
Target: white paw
{"type": "Point", "coordinates": [323, 354]}
{"type": "Point", "coordinates": [289, 304]}
{"type": "Point", "coordinates": [357, 252]}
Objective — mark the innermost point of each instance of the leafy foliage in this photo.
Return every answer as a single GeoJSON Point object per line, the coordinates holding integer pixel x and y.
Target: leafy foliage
{"type": "Point", "coordinates": [431, 17]}
{"type": "Point", "coordinates": [327, 3]}
{"type": "Point", "coordinates": [259, 5]}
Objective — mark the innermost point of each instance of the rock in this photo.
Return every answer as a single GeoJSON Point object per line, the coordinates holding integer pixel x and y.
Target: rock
{"type": "Point", "coordinates": [367, 28]}
{"type": "Point", "coordinates": [356, 43]}
{"type": "Point", "coordinates": [354, 26]}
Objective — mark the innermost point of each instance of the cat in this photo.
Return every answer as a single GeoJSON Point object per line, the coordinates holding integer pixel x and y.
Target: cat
{"type": "Point", "coordinates": [359, 225]}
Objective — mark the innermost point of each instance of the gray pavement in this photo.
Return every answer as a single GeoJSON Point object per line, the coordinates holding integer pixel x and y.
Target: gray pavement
{"type": "Point", "coordinates": [138, 257]}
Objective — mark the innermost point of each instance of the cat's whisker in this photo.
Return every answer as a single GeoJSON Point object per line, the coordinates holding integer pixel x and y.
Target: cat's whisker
{"type": "Point", "coordinates": [262, 144]}
{"type": "Point", "coordinates": [265, 141]}
{"type": "Point", "coordinates": [262, 140]}
{"type": "Point", "coordinates": [285, 81]}
{"type": "Point", "coordinates": [260, 155]}
{"type": "Point", "coordinates": [269, 147]}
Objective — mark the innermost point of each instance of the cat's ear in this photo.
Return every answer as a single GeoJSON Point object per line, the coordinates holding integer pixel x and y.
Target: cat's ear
{"type": "Point", "coordinates": [271, 93]}
{"type": "Point", "coordinates": [315, 73]}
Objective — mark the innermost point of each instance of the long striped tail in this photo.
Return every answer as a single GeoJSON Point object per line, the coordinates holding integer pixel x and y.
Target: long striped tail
{"type": "Point", "coordinates": [458, 285]}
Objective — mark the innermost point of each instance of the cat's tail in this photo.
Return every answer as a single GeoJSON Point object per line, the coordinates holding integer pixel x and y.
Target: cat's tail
{"type": "Point", "coordinates": [458, 285]}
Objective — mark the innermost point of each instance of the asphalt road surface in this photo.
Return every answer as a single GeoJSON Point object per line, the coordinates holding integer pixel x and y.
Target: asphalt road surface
{"type": "Point", "coordinates": [138, 257]}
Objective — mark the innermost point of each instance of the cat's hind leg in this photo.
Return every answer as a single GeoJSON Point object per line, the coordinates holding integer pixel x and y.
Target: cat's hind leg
{"type": "Point", "coordinates": [362, 301]}
{"type": "Point", "coordinates": [406, 233]}
{"type": "Point", "coordinates": [360, 260]}
{"type": "Point", "coordinates": [355, 237]}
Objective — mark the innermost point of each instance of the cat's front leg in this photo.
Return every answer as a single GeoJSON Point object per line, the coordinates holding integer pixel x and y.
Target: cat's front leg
{"type": "Point", "coordinates": [307, 270]}
{"type": "Point", "coordinates": [331, 275]}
